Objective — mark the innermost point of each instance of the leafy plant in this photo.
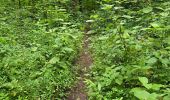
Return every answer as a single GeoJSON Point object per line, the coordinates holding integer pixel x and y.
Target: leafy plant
{"type": "Point", "coordinates": [130, 52]}
{"type": "Point", "coordinates": [38, 45]}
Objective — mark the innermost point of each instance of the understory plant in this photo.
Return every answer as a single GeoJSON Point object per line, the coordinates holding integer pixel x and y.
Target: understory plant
{"type": "Point", "coordinates": [131, 51]}
{"type": "Point", "coordinates": [38, 47]}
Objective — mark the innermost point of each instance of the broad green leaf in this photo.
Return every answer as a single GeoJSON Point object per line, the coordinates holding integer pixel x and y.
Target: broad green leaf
{"type": "Point", "coordinates": [90, 32]}
{"type": "Point", "coordinates": [165, 61]}
{"type": "Point", "coordinates": [67, 49]}
{"type": "Point", "coordinates": [54, 60]}
{"type": "Point", "coordinates": [140, 94]}
{"type": "Point", "coordinates": [144, 95]}
{"type": "Point", "coordinates": [153, 96]}
{"type": "Point", "coordinates": [107, 7]}
{"type": "Point", "coordinates": [155, 25]}
{"type": "Point", "coordinates": [34, 49]}
{"type": "Point", "coordinates": [119, 80]}
{"type": "Point", "coordinates": [159, 8]}
{"type": "Point", "coordinates": [156, 86]}
{"type": "Point", "coordinates": [152, 60]}
{"type": "Point", "coordinates": [126, 35]}
{"type": "Point", "coordinates": [164, 14]}
{"type": "Point", "coordinates": [143, 80]}
{"type": "Point", "coordinates": [147, 9]}
{"type": "Point", "coordinates": [94, 16]}
{"type": "Point", "coordinates": [127, 16]}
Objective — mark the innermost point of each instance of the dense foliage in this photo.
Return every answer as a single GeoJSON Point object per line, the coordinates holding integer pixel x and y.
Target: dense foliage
{"type": "Point", "coordinates": [38, 44]}
{"type": "Point", "coordinates": [40, 40]}
{"type": "Point", "coordinates": [131, 50]}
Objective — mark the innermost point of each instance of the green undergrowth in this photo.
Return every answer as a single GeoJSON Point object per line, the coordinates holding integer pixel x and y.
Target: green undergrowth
{"type": "Point", "coordinates": [37, 56]}
{"type": "Point", "coordinates": [131, 51]}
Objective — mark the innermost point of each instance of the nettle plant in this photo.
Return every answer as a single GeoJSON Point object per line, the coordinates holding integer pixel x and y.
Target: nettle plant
{"type": "Point", "coordinates": [131, 52]}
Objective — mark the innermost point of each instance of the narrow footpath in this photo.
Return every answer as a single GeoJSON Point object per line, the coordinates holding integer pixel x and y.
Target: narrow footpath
{"type": "Point", "coordinates": [83, 62]}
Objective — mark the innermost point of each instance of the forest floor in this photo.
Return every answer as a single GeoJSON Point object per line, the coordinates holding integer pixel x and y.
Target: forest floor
{"type": "Point", "coordinates": [78, 91]}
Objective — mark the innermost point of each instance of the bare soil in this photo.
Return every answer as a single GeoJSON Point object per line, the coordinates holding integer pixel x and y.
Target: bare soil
{"type": "Point", "coordinates": [83, 62]}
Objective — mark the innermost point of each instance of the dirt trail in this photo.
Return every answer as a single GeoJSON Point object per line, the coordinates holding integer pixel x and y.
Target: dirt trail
{"type": "Point", "coordinates": [84, 62]}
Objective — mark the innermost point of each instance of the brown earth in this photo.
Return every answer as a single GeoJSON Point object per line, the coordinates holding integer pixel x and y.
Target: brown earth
{"type": "Point", "coordinates": [83, 62]}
